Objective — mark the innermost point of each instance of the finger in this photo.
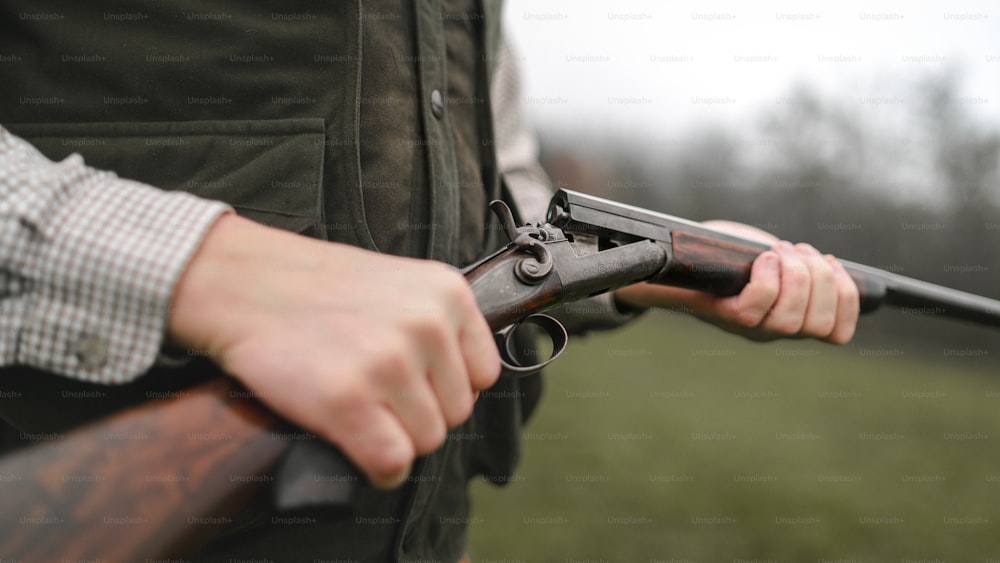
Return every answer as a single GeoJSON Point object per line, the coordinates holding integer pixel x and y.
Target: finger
{"type": "Point", "coordinates": [450, 383]}
{"type": "Point", "coordinates": [419, 412]}
{"type": "Point", "coordinates": [406, 391]}
{"type": "Point", "coordinates": [376, 442]}
{"type": "Point", "coordinates": [478, 349]}
{"type": "Point", "coordinates": [789, 310]}
{"type": "Point", "coordinates": [848, 304]}
{"type": "Point", "coordinates": [475, 338]}
{"type": "Point", "coordinates": [398, 379]}
{"type": "Point", "coordinates": [821, 311]}
{"type": "Point", "coordinates": [755, 301]}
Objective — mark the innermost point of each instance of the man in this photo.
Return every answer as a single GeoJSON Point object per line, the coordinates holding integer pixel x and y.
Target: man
{"type": "Point", "coordinates": [367, 126]}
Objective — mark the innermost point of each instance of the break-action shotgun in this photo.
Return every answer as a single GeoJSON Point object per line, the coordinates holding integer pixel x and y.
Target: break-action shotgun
{"type": "Point", "coordinates": [587, 246]}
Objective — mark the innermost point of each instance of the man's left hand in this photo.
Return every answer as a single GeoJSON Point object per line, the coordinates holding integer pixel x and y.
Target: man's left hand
{"type": "Point", "coordinates": [794, 292]}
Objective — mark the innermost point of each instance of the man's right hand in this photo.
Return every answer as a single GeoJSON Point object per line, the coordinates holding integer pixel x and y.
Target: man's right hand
{"type": "Point", "coordinates": [377, 354]}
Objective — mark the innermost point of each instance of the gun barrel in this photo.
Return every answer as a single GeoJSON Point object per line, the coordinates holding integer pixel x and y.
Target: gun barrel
{"type": "Point", "coordinates": [705, 259]}
{"type": "Point", "coordinates": [923, 298]}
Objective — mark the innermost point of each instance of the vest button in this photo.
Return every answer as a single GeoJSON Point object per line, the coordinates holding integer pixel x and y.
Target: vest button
{"type": "Point", "coordinates": [437, 104]}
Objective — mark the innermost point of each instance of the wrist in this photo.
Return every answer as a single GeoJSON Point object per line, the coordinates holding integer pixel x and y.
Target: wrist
{"type": "Point", "coordinates": [196, 295]}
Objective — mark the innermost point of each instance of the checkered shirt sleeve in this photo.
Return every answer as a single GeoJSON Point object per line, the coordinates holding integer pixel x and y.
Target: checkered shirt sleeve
{"type": "Point", "coordinates": [88, 263]}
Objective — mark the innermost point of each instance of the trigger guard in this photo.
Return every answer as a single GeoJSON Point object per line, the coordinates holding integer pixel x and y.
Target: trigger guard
{"type": "Point", "coordinates": [504, 339]}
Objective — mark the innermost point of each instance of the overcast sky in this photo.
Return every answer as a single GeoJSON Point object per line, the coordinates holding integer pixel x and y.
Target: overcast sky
{"type": "Point", "coordinates": [655, 66]}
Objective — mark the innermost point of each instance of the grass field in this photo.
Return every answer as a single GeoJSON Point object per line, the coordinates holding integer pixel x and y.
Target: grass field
{"type": "Point", "coordinates": [672, 441]}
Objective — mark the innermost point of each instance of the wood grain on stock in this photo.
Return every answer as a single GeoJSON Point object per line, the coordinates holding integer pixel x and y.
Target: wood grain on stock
{"type": "Point", "coordinates": [145, 483]}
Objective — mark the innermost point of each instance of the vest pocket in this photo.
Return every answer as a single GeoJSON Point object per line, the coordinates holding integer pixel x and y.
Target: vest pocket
{"type": "Point", "coordinates": [270, 171]}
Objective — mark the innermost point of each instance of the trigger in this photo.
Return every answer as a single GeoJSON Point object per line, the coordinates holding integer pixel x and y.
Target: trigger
{"type": "Point", "coordinates": [506, 344]}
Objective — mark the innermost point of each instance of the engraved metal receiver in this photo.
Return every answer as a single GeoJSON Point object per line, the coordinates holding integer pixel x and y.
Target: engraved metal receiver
{"type": "Point", "coordinates": [543, 267]}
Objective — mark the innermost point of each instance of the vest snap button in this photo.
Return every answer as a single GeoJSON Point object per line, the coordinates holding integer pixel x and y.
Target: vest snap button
{"type": "Point", "coordinates": [437, 104]}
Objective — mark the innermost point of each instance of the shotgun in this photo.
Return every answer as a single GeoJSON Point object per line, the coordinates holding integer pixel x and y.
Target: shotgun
{"type": "Point", "coordinates": [179, 486]}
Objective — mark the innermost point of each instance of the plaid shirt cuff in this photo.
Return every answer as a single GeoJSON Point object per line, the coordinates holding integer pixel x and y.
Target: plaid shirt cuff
{"type": "Point", "coordinates": [90, 264]}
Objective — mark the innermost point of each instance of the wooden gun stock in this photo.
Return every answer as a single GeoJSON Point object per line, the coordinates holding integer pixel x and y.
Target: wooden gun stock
{"type": "Point", "coordinates": [96, 495]}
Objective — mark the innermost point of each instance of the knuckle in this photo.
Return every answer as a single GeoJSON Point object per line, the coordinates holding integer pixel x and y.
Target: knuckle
{"type": "Point", "coordinates": [808, 252]}
{"type": "Point", "coordinates": [460, 294]}
{"type": "Point", "coordinates": [848, 293]}
{"type": "Point", "coordinates": [486, 372]}
{"type": "Point", "coordinates": [382, 451]}
{"type": "Point", "coordinates": [797, 277]}
{"type": "Point", "coordinates": [823, 273]}
{"type": "Point", "coordinates": [346, 399]}
{"type": "Point", "coordinates": [769, 296]}
{"type": "Point", "coordinates": [751, 316]}
{"type": "Point", "coordinates": [843, 335]}
{"type": "Point", "coordinates": [389, 462]}
{"type": "Point", "coordinates": [458, 412]}
{"type": "Point", "coordinates": [752, 311]}
{"type": "Point", "coordinates": [820, 326]}
{"type": "Point", "coordinates": [451, 280]}
{"type": "Point", "coordinates": [786, 325]}
{"type": "Point", "coordinates": [368, 348]}
{"type": "Point", "coordinates": [430, 438]}
{"type": "Point", "coordinates": [391, 371]}
{"type": "Point", "coordinates": [392, 361]}
{"type": "Point", "coordinates": [431, 327]}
